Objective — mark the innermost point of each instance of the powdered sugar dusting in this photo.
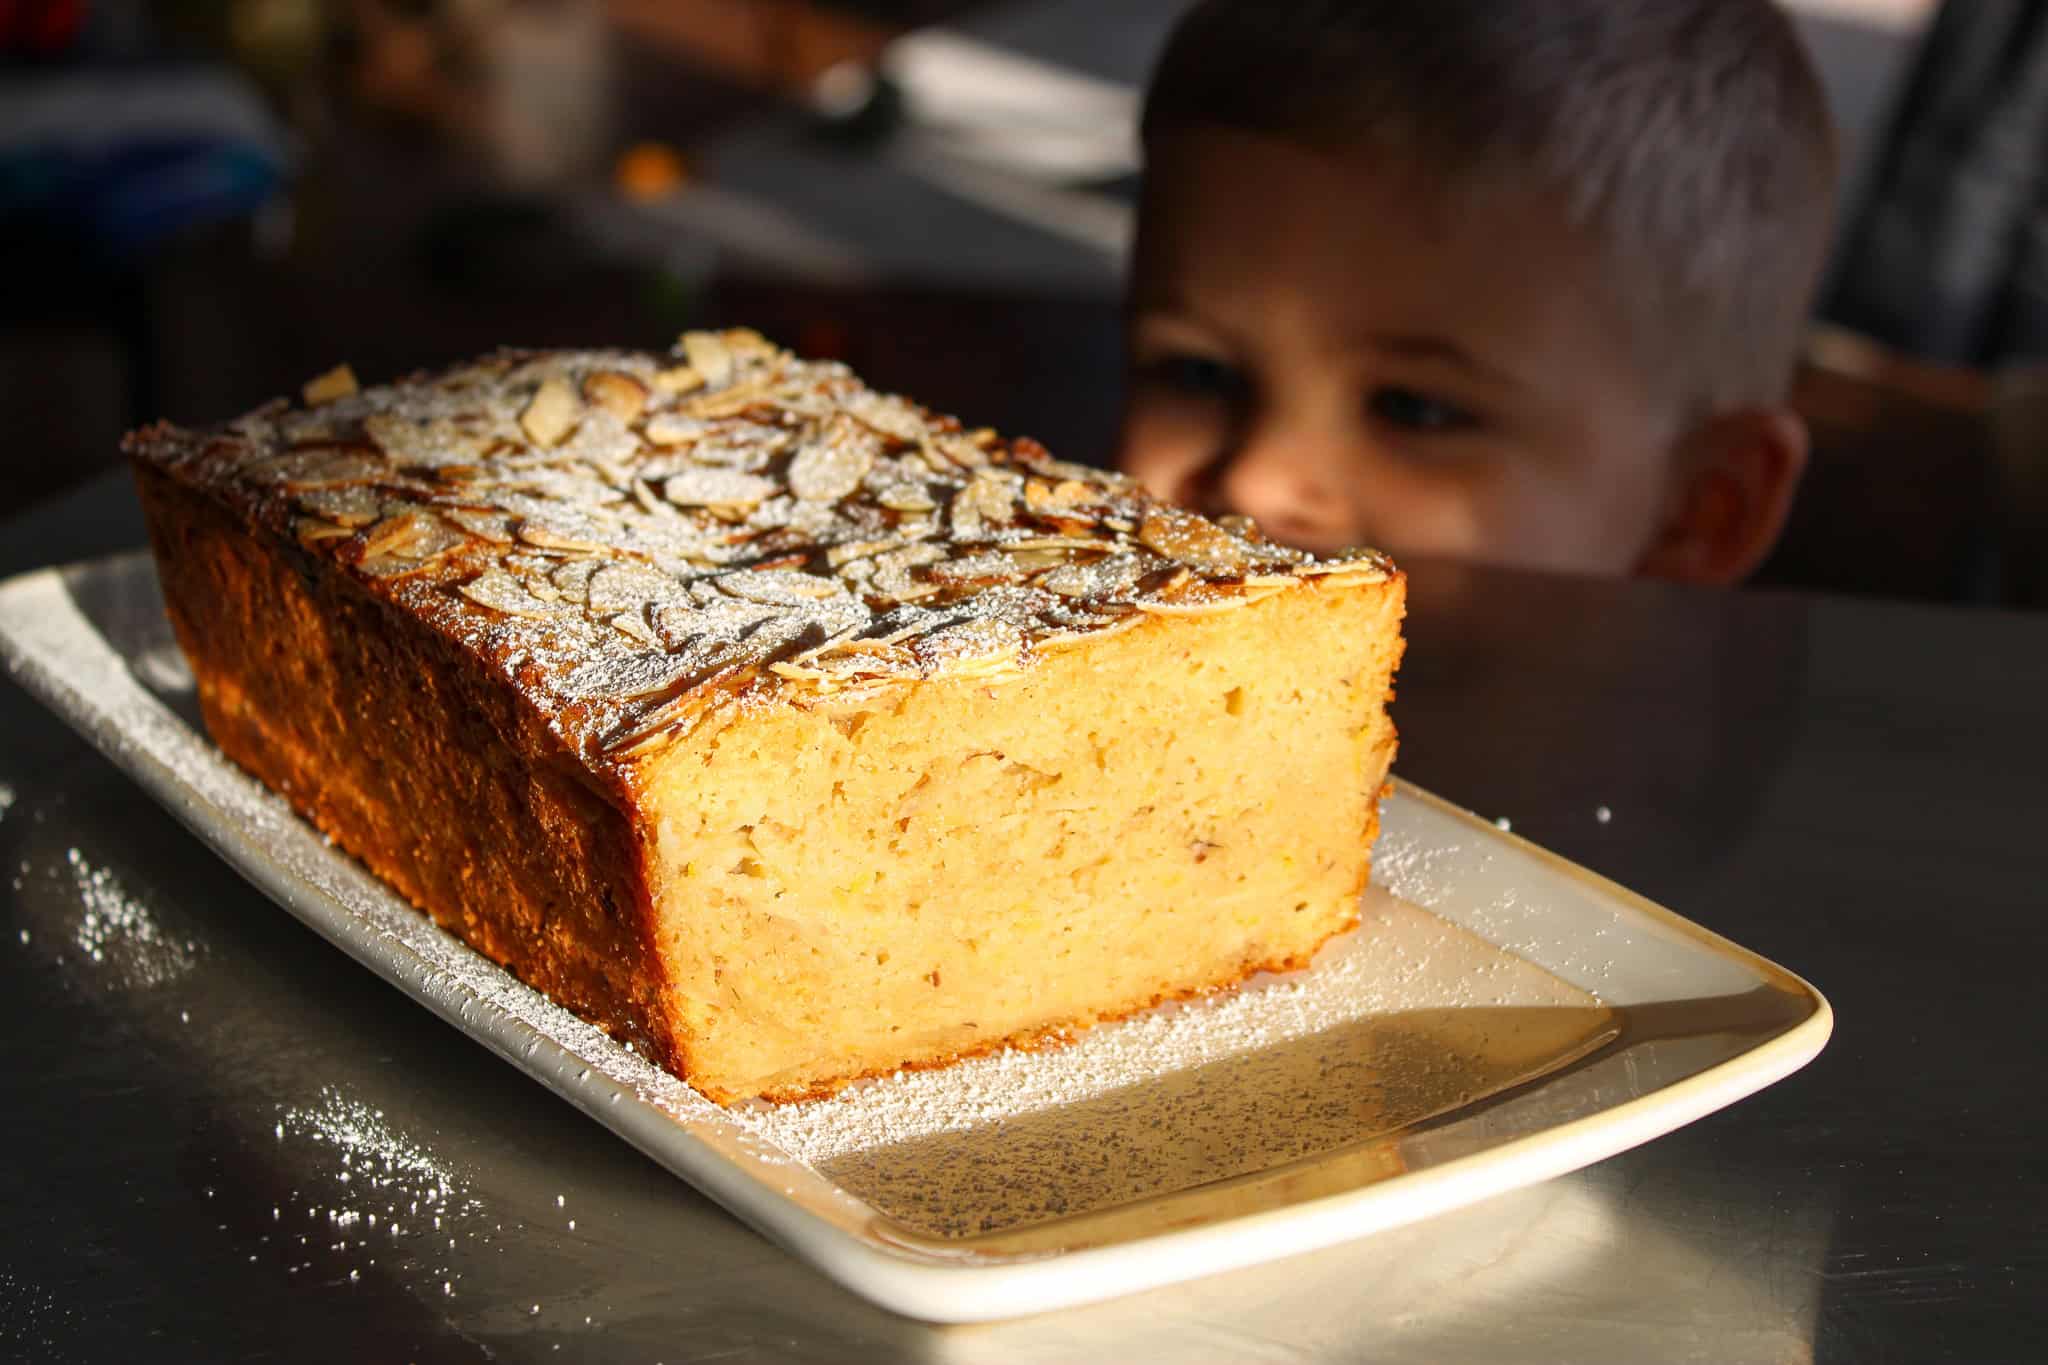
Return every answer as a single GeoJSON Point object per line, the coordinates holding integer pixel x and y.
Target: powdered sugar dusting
{"type": "Point", "coordinates": [116, 931]}
{"type": "Point", "coordinates": [375, 1159]}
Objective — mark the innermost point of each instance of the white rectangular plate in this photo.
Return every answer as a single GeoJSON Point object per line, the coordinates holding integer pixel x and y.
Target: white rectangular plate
{"type": "Point", "coordinates": [1501, 1017]}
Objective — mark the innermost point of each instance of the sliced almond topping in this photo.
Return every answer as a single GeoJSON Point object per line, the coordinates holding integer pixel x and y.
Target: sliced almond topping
{"type": "Point", "coordinates": [730, 402]}
{"type": "Point", "coordinates": [709, 356]}
{"type": "Point", "coordinates": [634, 625]}
{"type": "Point", "coordinates": [434, 539]}
{"type": "Point", "coordinates": [303, 471]}
{"type": "Point", "coordinates": [629, 587]}
{"type": "Point", "coordinates": [831, 466]}
{"type": "Point", "coordinates": [678, 379]}
{"type": "Point", "coordinates": [393, 532]}
{"type": "Point", "coordinates": [778, 587]}
{"type": "Point", "coordinates": [906, 497]}
{"type": "Point", "coordinates": [551, 413]}
{"type": "Point", "coordinates": [352, 506]}
{"type": "Point", "coordinates": [718, 489]}
{"type": "Point", "coordinates": [1041, 496]}
{"type": "Point", "coordinates": [745, 341]}
{"type": "Point", "coordinates": [621, 395]}
{"type": "Point", "coordinates": [669, 429]}
{"type": "Point", "coordinates": [495, 527]}
{"type": "Point", "coordinates": [545, 537]}
{"type": "Point", "coordinates": [1183, 535]}
{"type": "Point", "coordinates": [1193, 606]}
{"type": "Point", "coordinates": [339, 382]}
{"type": "Point", "coordinates": [500, 591]}
{"type": "Point", "coordinates": [311, 529]}
{"type": "Point", "coordinates": [983, 503]}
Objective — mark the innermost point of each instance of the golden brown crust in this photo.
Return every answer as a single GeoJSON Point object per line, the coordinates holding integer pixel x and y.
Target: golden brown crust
{"type": "Point", "coordinates": [381, 732]}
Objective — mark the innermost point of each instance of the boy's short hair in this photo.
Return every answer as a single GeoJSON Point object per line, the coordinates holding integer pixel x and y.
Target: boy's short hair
{"type": "Point", "coordinates": [1690, 136]}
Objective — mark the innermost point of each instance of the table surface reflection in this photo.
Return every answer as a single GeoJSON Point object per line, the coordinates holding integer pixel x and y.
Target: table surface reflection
{"type": "Point", "coordinates": [226, 1141]}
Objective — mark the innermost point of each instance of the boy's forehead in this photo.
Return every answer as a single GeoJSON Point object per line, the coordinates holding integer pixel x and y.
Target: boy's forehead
{"type": "Point", "coordinates": [1226, 209]}
{"type": "Point", "coordinates": [1248, 229]}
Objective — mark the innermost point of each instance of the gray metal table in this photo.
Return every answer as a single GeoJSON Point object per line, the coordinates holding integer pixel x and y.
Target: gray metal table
{"type": "Point", "coordinates": [225, 1141]}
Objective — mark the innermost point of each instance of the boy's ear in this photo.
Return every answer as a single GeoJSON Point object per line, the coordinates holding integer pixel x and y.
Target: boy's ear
{"type": "Point", "coordinates": [1736, 474]}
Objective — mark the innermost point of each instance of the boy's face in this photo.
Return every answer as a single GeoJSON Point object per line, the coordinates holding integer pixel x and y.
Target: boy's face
{"type": "Point", "coordinates": [1353, 354]}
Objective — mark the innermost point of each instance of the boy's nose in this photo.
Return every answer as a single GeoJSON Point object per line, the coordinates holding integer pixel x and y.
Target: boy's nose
{"type": "Point", "coordinates": [1286, 494]}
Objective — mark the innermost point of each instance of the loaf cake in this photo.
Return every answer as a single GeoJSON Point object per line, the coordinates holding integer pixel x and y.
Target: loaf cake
{"type": "Point", "coordinates": [776, 725]}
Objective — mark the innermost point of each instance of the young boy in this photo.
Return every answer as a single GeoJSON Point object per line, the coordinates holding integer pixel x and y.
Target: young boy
{"type": "Point", "coordinates": [1509, 280]}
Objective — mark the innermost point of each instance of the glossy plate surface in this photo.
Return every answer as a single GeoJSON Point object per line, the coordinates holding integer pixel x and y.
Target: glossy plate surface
{"type": "Point", "coordinates": [1501, 1017]}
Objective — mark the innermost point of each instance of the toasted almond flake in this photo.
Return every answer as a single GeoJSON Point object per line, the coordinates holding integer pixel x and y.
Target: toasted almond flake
{"type": "Point", "coordinates": [312, 529]}
{"type": "Point", "coordinates": [709, 356]}
{"type": "Point", "coordinates": [500, 591]}
{"type": "Point", "coordinates": [392, 532]}
{"type": "Point", "coordinates": [434, 539]}
{"type": "Point", "coordinates": [337, 383]}
{"type": "Point", "coordinates": [571, 578]}
{"type": "Point", "coordinates": [1041, 496]}
{"type": "Point", "coordinates": [667, 429]}
{"type": "Point", "coordinates": [303, 471]}
{"type": "Point", "coordinates": [731, 402]}
{"type": "Point", "coordinates": [495, 527]}
{"type": "Point", "coordinates": [844, 553]}
{"type": "Point", "coordinates": [623, 396]}
{"type": "Point", "coordinates": [1185, 536]}
{"type": "Point", "coordinates": [551, 413]}
{"type": "Point", "coordinates": [777, 587]}
{"type": "Point", "coordinates": [978, 640]}
{"type": "Point", "coordinates": [1373, 569]}
{"type": "Point", "coordinates": [962, 452]}
{"type": "Point", "coordinates": [893, 417]}
{"type": "Point", "coordinates": [543, 537]}
{"type": "Point", "coordinates": [717, 488]}
{"type": "Point", "coordinates": [1191, 606]}
{"type": "Point", "coordinates": [678, 379]}
{"type": "Point", "coordinates": [906, 497]}
{"type": "Point", "coordinates": [750, 344]}
{"type": "Point", "coordinates": [981, 501]}
{"type": "Point", "coordinates": [634, 625]}
{"type": "Point", "coordinates": [351, 506]}
{"type": "Point", "coordinates": [1071, 544]}
{"type": "Point", "coordinates": [630, 586]}
{"type": "Point", "coordinates": [833, 464]}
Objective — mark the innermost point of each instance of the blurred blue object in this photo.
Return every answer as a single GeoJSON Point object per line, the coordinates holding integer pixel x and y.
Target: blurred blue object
{"type": "Point", "coordinates": [121, 160]}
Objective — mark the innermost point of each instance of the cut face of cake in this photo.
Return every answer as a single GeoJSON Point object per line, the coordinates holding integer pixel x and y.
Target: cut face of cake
{"type": "Point", "coordinates": [776, 725]}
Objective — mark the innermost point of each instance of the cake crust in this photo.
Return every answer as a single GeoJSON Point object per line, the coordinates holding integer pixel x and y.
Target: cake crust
{"type": "Point", "coordinates": [490, 628]}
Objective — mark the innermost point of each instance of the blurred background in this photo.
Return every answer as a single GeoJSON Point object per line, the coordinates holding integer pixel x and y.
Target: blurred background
{"type": "Point", "coordinates": [203, 202]}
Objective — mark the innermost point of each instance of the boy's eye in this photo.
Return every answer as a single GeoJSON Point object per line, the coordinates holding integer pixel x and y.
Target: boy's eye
{"type": "Point", "coordinates": [1412, 411]}
{"type": "Point", "coordinates": [1197, 376]}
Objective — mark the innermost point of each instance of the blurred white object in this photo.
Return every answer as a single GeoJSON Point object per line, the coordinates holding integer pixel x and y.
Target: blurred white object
{"type": "Point", "coordinates": [1012, 112]}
